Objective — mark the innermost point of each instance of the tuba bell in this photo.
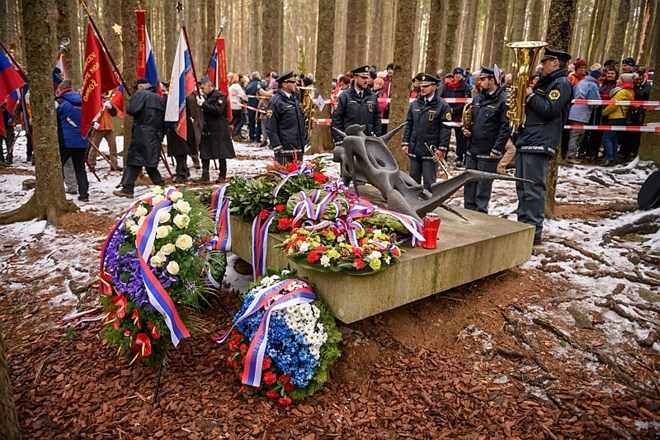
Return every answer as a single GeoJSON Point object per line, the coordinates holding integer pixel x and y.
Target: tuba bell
{"type": "Point", "coordinates": [526, 53]}
{"type": "Point", "coordinates": [307, 107]}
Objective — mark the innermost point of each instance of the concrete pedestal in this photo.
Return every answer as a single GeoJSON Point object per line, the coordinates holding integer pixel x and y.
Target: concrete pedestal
{"type": "Point", "coordinates": [467, 251]}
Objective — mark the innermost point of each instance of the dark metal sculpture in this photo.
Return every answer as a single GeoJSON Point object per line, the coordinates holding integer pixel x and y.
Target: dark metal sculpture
{"type": "Point", "coordinates": [366, 158]}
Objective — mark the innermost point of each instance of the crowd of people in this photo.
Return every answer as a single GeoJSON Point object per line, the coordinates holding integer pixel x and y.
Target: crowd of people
{"type": "Point", "coordinates": [268, 112]}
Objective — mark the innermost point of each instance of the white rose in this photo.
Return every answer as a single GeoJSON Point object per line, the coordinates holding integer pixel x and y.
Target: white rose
{"type": "Point", "coordinates": [141, 220]}
{"type": "Point", "coordinates": [167, 249]}
{"type": "Point", "coordinates": [173, 267]}
{"type": "Point", "coordinates": [184, 242]}
{"type": "Point", "coordinates": [176, 195]}
{"type": "Point", "coordinates": [156, 190]}
{"type": "Point", "coordinates": [140, 211]}
{"type": "Point", "coordinates": [129, 222]}
{"type": "Point", "coordinates": [304, 247]}
{"type": "Point", "coordinates": [182, 221]}
{"type": "Point", "coordinates": [163, 231]}
{"type": "Point", "coordinates": [156, 260]}
{"type": "Point", "coordinates": [135, 229]}
{"type": "Point", "coordinates": [164, 217]}
{"type": "Point", "coordinates": [182, 206]}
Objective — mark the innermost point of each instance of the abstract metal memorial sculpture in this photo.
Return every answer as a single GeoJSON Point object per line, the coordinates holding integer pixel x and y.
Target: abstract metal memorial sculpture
{"type": "Point", "coordinates": [366, 158]}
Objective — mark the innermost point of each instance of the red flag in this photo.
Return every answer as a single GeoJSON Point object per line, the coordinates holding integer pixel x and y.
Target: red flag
{"type": "Point", "coordinates": [221, 72]}
{"type": "Point", "coordinates": [10, 79]}
{"type": "Point", "coordinates": [98, 78]}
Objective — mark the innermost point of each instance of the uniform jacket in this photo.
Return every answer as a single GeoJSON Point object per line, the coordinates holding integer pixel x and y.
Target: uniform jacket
{"type": "Point", "coordinates": [490, 130]}
{"type": "Point", "coordinates": [285, 123]}
{"type": "Point", "coordinates": [354, 110]}
{"type": "Point", "coordinates": [586, 89]}
{"type": "Point", "coordinates": [424, 125]}
{"type": "Point", "coordinates": [623, 93]}
{"type": "Point", "coordinates": [545, 114]}
{"type": "Point", "coordinates": [216, 140]}
{"type": "Point", "coordinates": [69, 111]}
{"type": "Point", "coordinates": [148, 111]}
{"type": "Point", "coordinates": [455, 89]}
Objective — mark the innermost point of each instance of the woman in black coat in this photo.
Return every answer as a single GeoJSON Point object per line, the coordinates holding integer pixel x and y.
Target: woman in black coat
{"type": "Point", "coordinates": [216, 140]}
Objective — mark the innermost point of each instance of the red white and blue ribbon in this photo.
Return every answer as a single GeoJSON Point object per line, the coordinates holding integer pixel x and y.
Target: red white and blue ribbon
{"type": "Point", "coordinates": [255, 354]}
{"type": "Point", "coordinates": [260, 300]}
{"type": "Point", "coordinates": [158, 296]}
{"type": "Point", "coordinates": [361, 208]}
{"type": "Point", "coordinates": [351, 228]}
{"type": "Point", "coordinates": [414, 226]}
{"type": "Point", "coordinates": [336, 186]}
{"type": "Point", "coordinates": [302, 169]}
{"type": "Point", "coordinates": [260, 243]}
{"type": "Point", "coordinates": [221, 219]}
{"type": "Point", "coordinates": [313, 207]}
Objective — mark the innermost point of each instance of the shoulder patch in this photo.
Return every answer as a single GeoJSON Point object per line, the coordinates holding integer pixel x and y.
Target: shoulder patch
{"type": "Point", "coordinates": [448, 116]}
{"type": "Point", "coordinates": [554, 94]}
{"type": "Point", "coordinates": [220, 101]}
{"type": "Point", "coordinates": [269, 113]}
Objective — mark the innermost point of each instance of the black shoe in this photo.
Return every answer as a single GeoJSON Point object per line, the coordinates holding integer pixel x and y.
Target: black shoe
{"type": "Point", "coordinates": [460, 163]}
{"type": "Point", "coordinates": [538, 241]}
{"type": "Point", "coordinates": [83, 198]}
{"type": "Point", "coordinates": [609, 163]}
{"type": "Point", "coordinates": [221, 179]}
{"type": "Point", "coordinates": [203, 179]}
{"type": "Point", "coordinates": [123, 194]}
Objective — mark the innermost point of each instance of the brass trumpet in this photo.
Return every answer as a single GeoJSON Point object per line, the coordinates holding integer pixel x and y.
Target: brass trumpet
{"type": "Point", "coordinates": [440, 163]}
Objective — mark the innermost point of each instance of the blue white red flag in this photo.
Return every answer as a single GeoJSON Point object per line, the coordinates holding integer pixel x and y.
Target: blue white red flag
{"type": "Point", "coordinates": [60, 72]}
{"type": "Point", "coordinates": [182, 84]}
{"type": "Point", "coordinates": [146, 63]}
{"type": "Point", "coordinates": [212, 71]}
{"type": "Point", "coordinates": [10, 79]}
{"type": "Point", "coordinates": [117, 99]}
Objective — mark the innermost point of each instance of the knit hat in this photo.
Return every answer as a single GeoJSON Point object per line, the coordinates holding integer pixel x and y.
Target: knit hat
{"type": "Point", "coordinates": [626, 77]}
{"type": "Point", "coordinates": [580, 63]}
{"type": "Point", "coordinates": [596, 73]}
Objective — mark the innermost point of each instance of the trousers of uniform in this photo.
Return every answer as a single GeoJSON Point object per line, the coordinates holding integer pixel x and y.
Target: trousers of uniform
{"type": "Point", "coordinates": [77, 156]}
{"type": "Point", "coordinates": [206, 166]}
{"type": "Point", "coordinates": [476, 195]}
{"type": "Point", "coordinates": [423, 169]}
{"type": "Point", "coordinates": [131, 173]}
{"type": "Point", "coordinates": [110, 138]}
{"type": "Point", "coordinates": [181, 171]}
{"type": "Point", "coordinates": [509, 156]}
{"type": "Point", "coordinates": [460, 143]}
{"type": "Point", "coordinates": [531, 196]}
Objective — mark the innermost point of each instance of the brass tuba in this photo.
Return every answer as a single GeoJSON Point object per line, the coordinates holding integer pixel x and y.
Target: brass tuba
{"type": "Point", "coordinates": [307, 105]}
{"type": "Point", "coordinates": [468, 119]}
{"type": "Point", "coordinates": [526, 54]}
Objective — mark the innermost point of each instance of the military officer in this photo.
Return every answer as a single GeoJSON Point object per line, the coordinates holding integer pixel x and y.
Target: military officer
{"type": "Point", "coordinates": [545, 114]}
{"type": "Point", "coordinates": [357, 105]}
{"type": "Point", "coordinates": [285, 123]}
{"type": "Point", "coordinates": [486, 138]}
{"type": "Point", "coordinates": [425, 134]}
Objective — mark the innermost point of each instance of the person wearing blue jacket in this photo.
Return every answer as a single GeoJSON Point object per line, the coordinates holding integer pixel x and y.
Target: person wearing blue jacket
{"type": "Point", "coordinates": [71, 142]}
{"type": "Point", "coordinates": [580, 114]}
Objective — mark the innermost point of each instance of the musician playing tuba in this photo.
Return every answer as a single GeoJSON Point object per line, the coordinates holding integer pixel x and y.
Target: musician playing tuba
{"type": "Point", "coordinates": [487, 136]}
{"type": "Point", "coordinates": [546, 111]}
{"type": "Point", "coordinates": [425, 135]}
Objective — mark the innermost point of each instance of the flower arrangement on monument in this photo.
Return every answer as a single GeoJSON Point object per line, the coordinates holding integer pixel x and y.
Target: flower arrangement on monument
{"type": "Point", "coordinates": [283, 341]}
{"type": "Point", "coordinates": [157, 266]}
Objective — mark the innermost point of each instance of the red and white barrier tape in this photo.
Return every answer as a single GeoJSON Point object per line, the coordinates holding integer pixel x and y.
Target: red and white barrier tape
{"type": "Point", "coordinates": [611, 102]}
{"type": "Point", "coordinates": [630, 128]}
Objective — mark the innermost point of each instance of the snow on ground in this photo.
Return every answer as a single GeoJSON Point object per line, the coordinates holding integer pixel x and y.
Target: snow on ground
{"type": "Point", "coordinates": [64, 262]}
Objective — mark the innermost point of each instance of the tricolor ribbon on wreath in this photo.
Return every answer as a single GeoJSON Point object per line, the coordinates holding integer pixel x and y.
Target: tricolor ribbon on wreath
{"type": "Point", "coordinates": [286, 175]}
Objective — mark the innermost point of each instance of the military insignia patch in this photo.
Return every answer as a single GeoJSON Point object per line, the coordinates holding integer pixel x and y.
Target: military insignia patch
{"type": "Point", "coordinates": [554, 95]}
{"type": "Point", "coordinates": [448, 116]}
{"type": "Point", "coordinates": [220, 101]}
{"type": "Point", "coordinates": [269, 113]}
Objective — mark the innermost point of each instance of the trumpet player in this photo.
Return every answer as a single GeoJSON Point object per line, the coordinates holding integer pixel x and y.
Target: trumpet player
{"type": "Point", "coordinates": [426, 138]}
{"type": "Point", "coordinates": [486, 138]}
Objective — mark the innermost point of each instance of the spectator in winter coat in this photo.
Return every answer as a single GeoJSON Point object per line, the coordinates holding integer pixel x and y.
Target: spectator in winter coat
{"type": "Point", "coordinates": [71, 142]}
{"type": "Point", "coordinates": [252, 89]}
{"type": "Point", "coordinates": [580, 114]}
{"type": "Point", "coordinates": [580, 72]}
{"type": "Point", "coordinates": [616, 115]}
{"type": "Point", "coordinates": [238, 98]}
{"type": "Point", "coordinates": [630, 139]}
{"type": "Point", "coordinates": [103, 130]}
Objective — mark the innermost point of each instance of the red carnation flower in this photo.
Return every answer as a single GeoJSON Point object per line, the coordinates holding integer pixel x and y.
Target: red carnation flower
{"type": "Point", "coordinates": [289, 387]}
{"type": "Point", "coordinates": [285, 401]}
{"type": "Point", "coordinates": [279, 207]}
{"type": "Point", "coordinates": [270, 378]}
{"type": "Point", "coordinates": [236, 337]}
{"type": "Point", "coordinates": [313, 257]}
{"type": "Point", "coordinates": [243, 349]}
{"type": "Point", "coordinates": [263, 214]}
{"type": "Point", "coordinates": [321, 249]}
{"type": "Point", "coordinates": [272, 394]}
{"type": "Point", "coordinates": [320, 177]}
{"type": "Point", "coordinates": [266, 363]}
{"type": "Point", "coordinates": [358, 251]}
{"type": "Point", "coordinates": [359, 263]}
{"type": "Point", "coordinates": [284, 223]}
{"type": "Point", "coordinates": [127, 333]}
{"type": "Point", "coordinates": [116, 325]}
{"type": "Point", "coordinates": [285, 379]}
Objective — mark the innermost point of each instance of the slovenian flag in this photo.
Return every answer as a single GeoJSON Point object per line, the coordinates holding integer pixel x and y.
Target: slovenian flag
{"type": "Point", "coordinates": [146, 62]}
{"type": "Point", "coordinates": [117, 100]}
{"type": "Point", "coordinates": [60, 72]}
{"type": "Point", "coordinates": [182, 84]}
{"type": "Point", "coordinates": [10, 79]}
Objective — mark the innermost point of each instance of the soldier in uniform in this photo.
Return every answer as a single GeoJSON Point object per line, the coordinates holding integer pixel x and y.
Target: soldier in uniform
{"type": "Point", "coordinates": [487, 138]}
{"type": "Point", "coordinates": [546, 112]}
{"type": "Point", "coordinates": [285, 123]}
{"type": "Point", "coordinates": [357, 105]}
{"type": "Point", "coordinates": [425, 134]}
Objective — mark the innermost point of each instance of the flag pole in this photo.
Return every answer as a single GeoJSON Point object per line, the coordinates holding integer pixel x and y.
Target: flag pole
{"type": "Point", "coordinates": [105, 47]}
{"type": "Point", "coordinates": [20, 68]}
{"type": "Point", "coordinates": [182, 23]}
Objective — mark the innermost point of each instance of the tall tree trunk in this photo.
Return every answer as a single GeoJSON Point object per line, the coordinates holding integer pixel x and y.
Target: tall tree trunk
{"type": "Point", "coordinates": [321, 138]}
{"type": "Point", "coordinates": [452, 18]}
{"type": "Point", "coordinates": [489, 30]}
{"type": "Point", "coordinates": [356, 15]}
{"type": "Point", "coordinates": [653, 43]}
{"type": "Point", "coordinates": [499, 16]}
{"type": "Point", "coordinates": [594, 30]}
{"type": "Point", "coordinates": [8, 418]}
{"type": "Point", "coordinates": [129, 47]}
{"type": "Point", "coordinates": [469, 30]}
{"type": "Point", "coordinates": [209, 39]}
{"type": "Point", "coordinates": [405, 27]}
{"type": "Point", "coordinates": [535, 17]}
{"type": "Point", "coordinates": [48, 200]}
{"type": "Point", "coordinates": [255, 33]}
{"type": "Point", "coordinates": [434, 41]}
{"type": "Point", "coordinates": [560, 23]}
{"type": "Point", "coordinates": [339, 53]}
{"type": "Point", "coordinates": [270, 36]}
{"type": "Point", "coordinates": [67, 26]}
{"type": "Point", "coordinates": [648, 149]}
{"type": "Point", "coordinates": [376, 42]}
{"type": "Point", "coordinates": [615, 45]}
{"type": "Point", "coordinates": [604, 33]}
{"type": "Point", "coordinates": [171, 38]}
{"type": "Point", "coordinates": [518, 30]}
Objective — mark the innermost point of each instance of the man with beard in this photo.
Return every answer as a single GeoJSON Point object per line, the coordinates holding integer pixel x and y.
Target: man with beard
{"type": "Point", "coordinates": [285, 124]}
{"type": "Point", "coordinates": [357, 105]}
{"type": "Point", "coordinates": [425, 134]}
{"type": "Point", "coordinates": [545, 113]}
{"type": "Point", "coordinates": [216, 142]}
{"type": "Point", "coordinates": [487, 137]}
